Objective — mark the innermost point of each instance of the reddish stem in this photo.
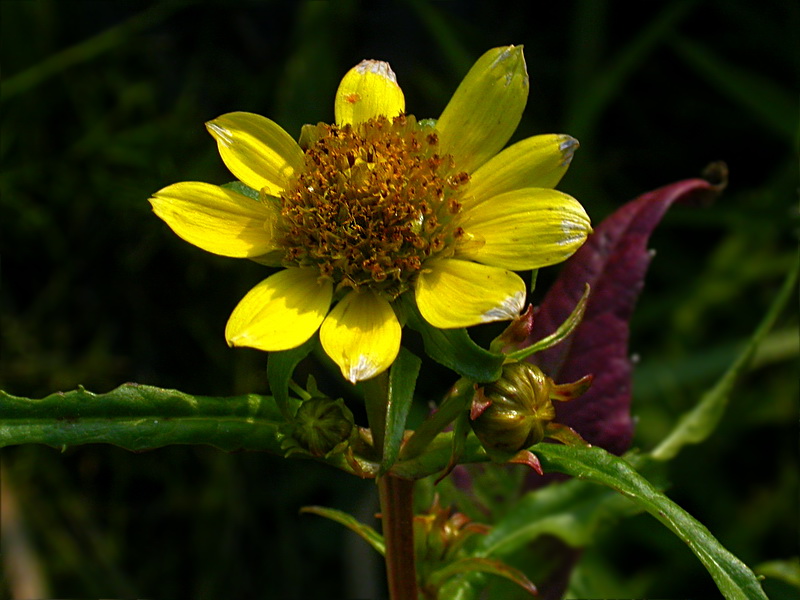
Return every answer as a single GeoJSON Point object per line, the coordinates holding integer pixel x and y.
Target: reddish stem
{"type": "Point", "coordinates": [397, 517]}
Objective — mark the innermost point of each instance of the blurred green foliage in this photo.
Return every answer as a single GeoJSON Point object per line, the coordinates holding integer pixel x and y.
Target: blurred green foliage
{"type": "Point", "coordinates": [103, 103]}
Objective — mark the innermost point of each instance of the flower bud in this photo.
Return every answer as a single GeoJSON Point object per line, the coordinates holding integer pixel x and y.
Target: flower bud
{"type": "Point", "coordinates": [439, 537]}
{"type": "Point", "coordinates": [321, 426]}
{"type": "Point", "coordinates": [517, 411]}
{"type": "Point", "coordinates": [440, 540]}
{"type": "Point", "coordinates": [511, 413]}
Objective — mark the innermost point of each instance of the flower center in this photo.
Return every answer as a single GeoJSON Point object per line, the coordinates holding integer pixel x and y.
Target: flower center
{"type": "Point", "coordinates": [373, 202]}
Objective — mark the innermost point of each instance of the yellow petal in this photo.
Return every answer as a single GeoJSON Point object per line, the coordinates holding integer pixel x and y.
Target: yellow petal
{"type": "Point", "coordinates": [216, 219]}
{"type": "Point", "coordinates": [256, 150]}
{"type": "Point", "coordinates": [525, 229]}
{"type": "Point", "coordinates": [361, 335]}
{"type": "Point", "coordinates": [368, 90]}
{"type": "Point", "coordinates": [454, 293]}
{"type": "Point", "coordinates": [281, 312]}
{"type": "Point", "coordinates": [485, 109]}
{"type": "Point", "coordinates": [539, 161]}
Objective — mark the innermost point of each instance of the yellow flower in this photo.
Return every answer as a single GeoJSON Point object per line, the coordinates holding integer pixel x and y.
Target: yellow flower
{"type": "Point", "coordinates": [378, 205]}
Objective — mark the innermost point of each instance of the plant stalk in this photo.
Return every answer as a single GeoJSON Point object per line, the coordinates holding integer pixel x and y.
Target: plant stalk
{"type": "Point", "coordinates": [396, 499]}
{"type": "Point", "coordinates": [397, 518]}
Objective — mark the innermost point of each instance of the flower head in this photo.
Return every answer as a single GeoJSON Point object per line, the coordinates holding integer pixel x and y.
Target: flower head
{"type": "Point", "coordinates": [378, 205]}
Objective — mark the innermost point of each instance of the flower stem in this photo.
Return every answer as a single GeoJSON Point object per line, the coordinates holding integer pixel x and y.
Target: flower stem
{"type": "Point", "coordinates": [456, 402]}
{"type": "Point", "coordinates": [376, 400]}
{"type": "Point", "coordinates": [396, 498]}
{"type": "Point", "coordinates": [397, 517]}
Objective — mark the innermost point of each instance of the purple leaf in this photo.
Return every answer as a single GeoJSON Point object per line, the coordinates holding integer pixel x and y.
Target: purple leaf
{"type": "Point", "coordinates": [613, 262]}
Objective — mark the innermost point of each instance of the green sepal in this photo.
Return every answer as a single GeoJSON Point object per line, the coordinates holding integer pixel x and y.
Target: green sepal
{"type": "Point", "coordinates": [273, 258]}
{"type": "Point", "coordinates": [532, 285]}
{"type": "Point", "coordinates": [280, 366]}
{"type": "Point", "coordinates": [454, 349]}
{"type": "Point", "coordinates": [560, 334]}
{"type": "Point", "coordinates": [402, 380]}
{"type": "Point", "coordinates": [240, 188]}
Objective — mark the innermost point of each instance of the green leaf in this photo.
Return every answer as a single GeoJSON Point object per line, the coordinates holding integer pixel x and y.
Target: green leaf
{"type": "Point", "coordinates": [573, 511]}
{"type": "Point", "coordinates": [733, 578]}
{"type": "Point", "coordinates": [402, 379]}
{"type": "Point", "coordinates": [454, 349]}
{"type": "Point", "coordinates": [367, 533]}
{"type": "Point", "coordinates": [697, 424]}
{"type": "Point", "coordinates": [484, 565]}
{"type": "Point", "coordinates": [787, 571]}
{"type": "Point", "coordinates": [141, 417]}
{"type": "Point", "coordinates": [280, 366]}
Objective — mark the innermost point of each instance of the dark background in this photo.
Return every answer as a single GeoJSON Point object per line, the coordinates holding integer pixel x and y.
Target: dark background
{"type": "Point", "coordinates": [103, 103]}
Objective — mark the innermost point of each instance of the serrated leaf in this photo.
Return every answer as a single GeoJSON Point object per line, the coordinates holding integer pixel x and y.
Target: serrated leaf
{"type": "Point", "coordinates": [613, 261]}
{"type": "Point", "coordinates": [733, 578]}
{"type": "Point", "coordinates": [139, 417]}
{"type": "Point", "coordinates": [402, 380]}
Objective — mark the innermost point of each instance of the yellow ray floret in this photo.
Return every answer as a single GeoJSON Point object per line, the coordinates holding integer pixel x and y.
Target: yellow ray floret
{"type": "Point", "coordinates": [216, 219]}
{"type": "Point", "coordinates": [485, 109]}
{"type": "Point", "coordinates": [539, 161]}
{"type": "Point", "coordinates": [526, 229]}
{"type": "Point", "coordinates": [454, 293]}
{"type": "Point", "coordinates": [281, 312]}
{"type": "Point", "coordinates": [361, 335]}
{"type": "Point", "coordinates": [256, 150]}
{"type": "Point", "coordinates": [368, 90]}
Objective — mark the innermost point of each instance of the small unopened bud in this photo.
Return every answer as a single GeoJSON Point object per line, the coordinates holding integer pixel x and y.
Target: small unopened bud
{"type": "Point", "coordinates": [322, 426]}
{"type": "Point", "coordinates": [441, 538]}
{"type": "Point", "coordinates": [515, 411]}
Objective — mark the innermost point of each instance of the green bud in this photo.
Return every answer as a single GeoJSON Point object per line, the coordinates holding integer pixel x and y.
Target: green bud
{"type": "Point", "coordinates": [511, 413]}
{"type": "Point", "coordinates": [321, 426]}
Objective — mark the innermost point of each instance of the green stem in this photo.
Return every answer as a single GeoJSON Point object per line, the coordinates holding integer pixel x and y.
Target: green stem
{"type": "Point", "coordinates": [456, 402]}
{"type": "Point", "coordinates": [397, 518]}
{"type": "Point", "coordinates": [376, 400]}
{"type": "Point", "coordinates": [396, 498]}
